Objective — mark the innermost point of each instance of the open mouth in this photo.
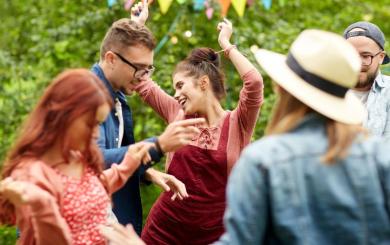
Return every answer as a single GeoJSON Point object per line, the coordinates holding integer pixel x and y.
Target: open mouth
{"type": "Point", "coordinates": [182, 101]}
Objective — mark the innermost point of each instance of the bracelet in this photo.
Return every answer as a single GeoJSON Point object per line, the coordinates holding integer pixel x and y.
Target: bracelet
{"type": "Point", "coordinates": [227, 50]}
{"type": "Point", "coordinates": [158, 147]}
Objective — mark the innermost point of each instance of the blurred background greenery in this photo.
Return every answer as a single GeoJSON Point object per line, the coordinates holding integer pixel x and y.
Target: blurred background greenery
{"type": "Point", "coordinates": [40, 38]}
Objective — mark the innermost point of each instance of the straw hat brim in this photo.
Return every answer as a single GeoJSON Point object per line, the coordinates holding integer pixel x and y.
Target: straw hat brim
{"type": "Point", "coordinates": [347, 110]}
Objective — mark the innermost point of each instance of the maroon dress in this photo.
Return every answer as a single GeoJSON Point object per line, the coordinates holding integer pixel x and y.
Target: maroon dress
{"type": "Point", "coordinates": [197, 219]}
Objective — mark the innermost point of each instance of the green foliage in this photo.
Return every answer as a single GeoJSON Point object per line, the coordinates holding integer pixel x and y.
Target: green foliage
{"type": "Point", "coordinates": [40, 38]}
{"type": "Point", "coordinates": [7, 235]}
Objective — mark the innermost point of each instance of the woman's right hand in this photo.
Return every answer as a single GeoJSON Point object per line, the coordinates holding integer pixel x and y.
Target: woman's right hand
{"type": "Point", "coordinates": [22, 192]}
{"type": "Point", "coordinates": [140, 151]}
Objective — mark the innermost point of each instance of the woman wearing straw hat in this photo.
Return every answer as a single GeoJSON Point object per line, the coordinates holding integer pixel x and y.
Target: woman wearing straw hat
{"type": "Point", "coordinates": [316, 178]}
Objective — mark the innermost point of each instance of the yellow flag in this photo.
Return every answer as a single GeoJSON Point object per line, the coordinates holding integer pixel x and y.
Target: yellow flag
{"type": "Point", "coordinates": [164, 5]}
{"type": "Point", "coordinates": [239, 6]}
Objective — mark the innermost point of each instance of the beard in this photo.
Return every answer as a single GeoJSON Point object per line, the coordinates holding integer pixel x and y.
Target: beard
{"type": "Point", "coordinates": [366, 83]}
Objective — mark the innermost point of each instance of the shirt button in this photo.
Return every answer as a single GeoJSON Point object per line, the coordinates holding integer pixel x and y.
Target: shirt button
{"type": "Point", "coordinates": [116, 139]}
{"type": "Point", "coordinates": [116, 113]}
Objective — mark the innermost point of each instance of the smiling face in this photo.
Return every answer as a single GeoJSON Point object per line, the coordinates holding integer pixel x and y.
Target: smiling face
{"type": "Point", "coordinates": [188, 93]}
{"type": "Point", "coordinates": [124, 76]}
{"type": "Point", "coordinates": [83, 129]}
{"type": "Point", "coordinates": [367, 48]}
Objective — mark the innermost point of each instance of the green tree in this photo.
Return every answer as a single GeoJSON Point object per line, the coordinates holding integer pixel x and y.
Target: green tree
{"type": "Point", "coordinates": [40, 38]}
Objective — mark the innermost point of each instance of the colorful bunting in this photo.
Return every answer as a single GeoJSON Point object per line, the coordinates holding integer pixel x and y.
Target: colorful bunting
{"type": "Point", "coordinates": [250, 2]}
{"type": "Point", "coordinates": [209, 10]}
{"type": "Point", "coordinates": [239, 6]}
{"type": "Point", "coordinates": [225, 4]}
{"type": "Point", "coordinates": [209, 13]}
{"type": "Point", "coordinates": [267, 4]}
{"type": "Point", "coordinates": [128, 4]}
{"type": "Point", "coordinates": [198, 4]}
{"type": "Point", "coordinates": [110, 3]}
{"type": "Point", "coordinates": [164, 5]}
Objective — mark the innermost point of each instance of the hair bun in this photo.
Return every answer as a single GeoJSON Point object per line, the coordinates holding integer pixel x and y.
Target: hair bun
{"type": "Point", "coordinates": [200, 55]}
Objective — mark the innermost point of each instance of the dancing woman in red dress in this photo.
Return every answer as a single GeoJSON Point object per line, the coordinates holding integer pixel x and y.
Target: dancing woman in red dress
{"type": "Point", "coordinates": [203, 165]}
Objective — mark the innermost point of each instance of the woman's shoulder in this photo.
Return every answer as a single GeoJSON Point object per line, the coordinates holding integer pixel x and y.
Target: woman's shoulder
{"type": "Point", "coordinates": [36, 172]}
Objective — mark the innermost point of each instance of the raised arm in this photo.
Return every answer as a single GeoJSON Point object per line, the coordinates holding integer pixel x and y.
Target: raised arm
{"type": "Point", "coordinates": [240, 62]}
{"type": "Point", "coordinates": [165, 105]}
{"type": "Point", "coordinates": [251, 95]}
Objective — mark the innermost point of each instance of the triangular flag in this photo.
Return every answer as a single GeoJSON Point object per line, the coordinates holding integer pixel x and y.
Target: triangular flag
{"type": "Point", "coordinates": [181, 1]}
{"type": "Point", "coordinates": [164, 5]}
{"type": "Point", "coordinates": [239, 6]}
{"type": "Point", "coordinates": [225, 6]}
{"type": "Point", "coordinates": [128, 4]}
{"type": "Point", "coordinates": [198, 4]}
{"type": "Point", "coordinates": [209, 13]}
{"type": "Point", "coordinates": [250, 2]}
{"type": "Point", "coordinates": [110, 3]}
{"type": "Point", "coordinates": [267, 4]}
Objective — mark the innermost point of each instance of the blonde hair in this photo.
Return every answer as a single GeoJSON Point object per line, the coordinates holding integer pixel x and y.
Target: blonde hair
{"type": "Point", "coordinates": [289, 111]}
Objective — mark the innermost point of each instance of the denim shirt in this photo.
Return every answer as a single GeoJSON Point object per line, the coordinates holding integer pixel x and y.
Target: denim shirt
{"type": "Point", "coordinates": [378, 107]}
{"type": "Point", "coordinates": [280, 192]}
{"type": "Point", "coordinates": [127, 200]}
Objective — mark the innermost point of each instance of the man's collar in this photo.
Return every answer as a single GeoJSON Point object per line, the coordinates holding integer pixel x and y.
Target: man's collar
{"type": "Point", "coordinates": [379, 83]}
{"type": "Point", "coordinates": [100, 73]}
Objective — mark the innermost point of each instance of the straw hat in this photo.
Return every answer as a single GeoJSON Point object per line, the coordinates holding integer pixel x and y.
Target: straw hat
{"type": "Point", "coordinates": [319, 70]}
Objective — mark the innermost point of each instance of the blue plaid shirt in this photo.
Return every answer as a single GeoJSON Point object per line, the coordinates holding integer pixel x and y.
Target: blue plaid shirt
{"type": "Point", "coordinates": [378, 107]}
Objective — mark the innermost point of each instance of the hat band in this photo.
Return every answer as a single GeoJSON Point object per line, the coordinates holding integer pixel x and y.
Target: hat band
{"type": "Point", "coordinates": [314, 80]}
{"type": "Point", "coordinates": [364, 34]}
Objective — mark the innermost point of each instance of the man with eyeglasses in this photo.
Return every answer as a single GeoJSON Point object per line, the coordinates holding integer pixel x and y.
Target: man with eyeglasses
{"type": "Point", "coordinates": [373, 87]}
{"type": "Point", "coordinates": [126, 55]}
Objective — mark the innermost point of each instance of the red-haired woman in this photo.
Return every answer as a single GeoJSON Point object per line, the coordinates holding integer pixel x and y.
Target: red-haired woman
{"type": "Point", "coordinates": [56, 189]}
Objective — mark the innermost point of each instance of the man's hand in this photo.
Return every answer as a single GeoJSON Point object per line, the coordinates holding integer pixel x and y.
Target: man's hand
{"type": "Point", "coordinates": [140, 12]}
{"type": "Point", "coordinates": [179, 133]}
{"type": "Point", "coordinates": [167, 182]}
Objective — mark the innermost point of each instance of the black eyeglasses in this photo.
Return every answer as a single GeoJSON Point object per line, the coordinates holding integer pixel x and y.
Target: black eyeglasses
{"type": "Point", "coordinates": [138, 73]}
{"type": "Point", "coordinates": [367, 58]}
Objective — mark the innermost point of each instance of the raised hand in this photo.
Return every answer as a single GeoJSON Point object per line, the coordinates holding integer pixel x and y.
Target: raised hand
{"type": "Point", "coordinates": [140, 12]}
{"type": "Point", "coordinates": [179, 133]}
{"type": "Point", "coordinates": [225, 29]}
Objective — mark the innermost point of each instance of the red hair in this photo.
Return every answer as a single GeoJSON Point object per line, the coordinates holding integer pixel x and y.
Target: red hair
{"type": "Point", "coordinates": [70, 95]}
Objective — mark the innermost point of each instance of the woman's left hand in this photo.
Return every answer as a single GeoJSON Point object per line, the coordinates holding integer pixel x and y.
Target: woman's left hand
{"type": "Point", "coordinates": [167, 182]}
{"type": "Point", "coordinates": [225, 29]}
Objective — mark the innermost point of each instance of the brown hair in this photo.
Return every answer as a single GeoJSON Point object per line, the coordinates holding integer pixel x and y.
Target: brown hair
{"type": "Point", "coordinates": [204, 61]}
{"type": "Point", "coordinates": [289, 111]}
{"type": "Point", "coordinates": [71, 94]}
{"type": "Point", "coordinates": [125, 33]}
